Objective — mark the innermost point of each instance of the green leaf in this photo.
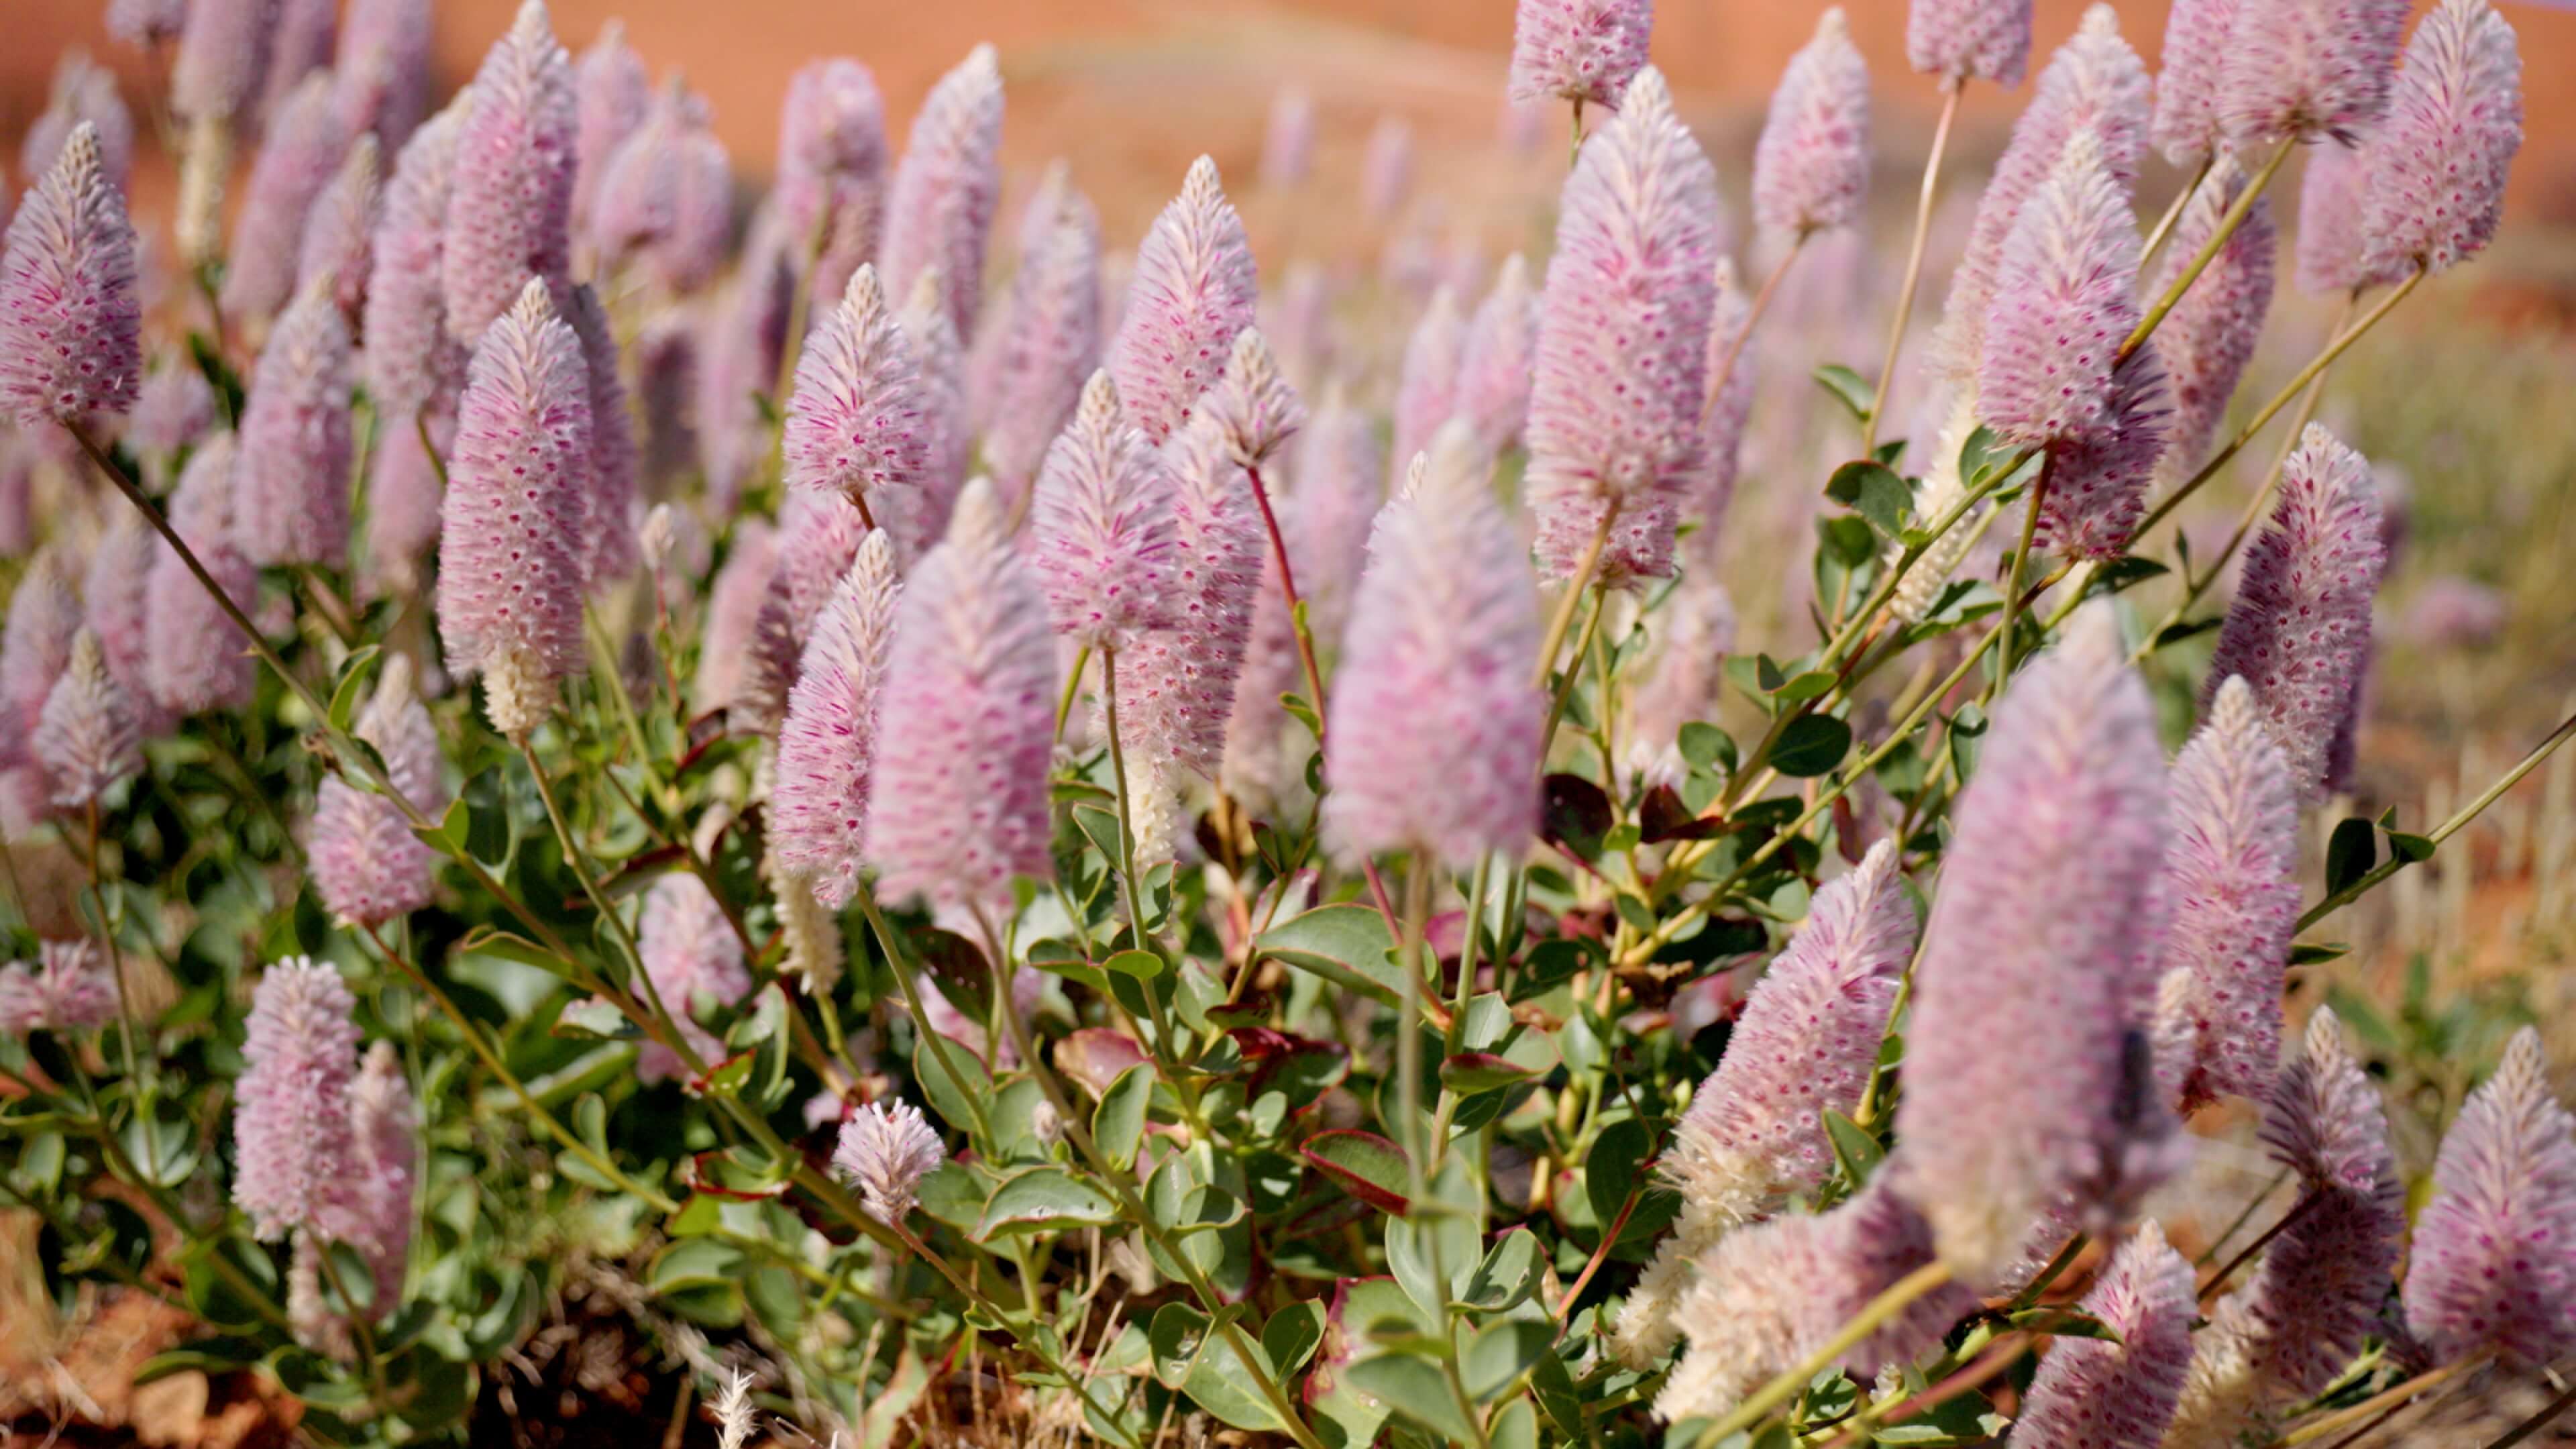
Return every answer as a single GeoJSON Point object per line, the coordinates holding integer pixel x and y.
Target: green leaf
{"type": "Point", "coordinates": [1118, 1124]}
{"type": "Point", "coordinates": [1500, 1350]}
{"type": "Point", "coordinates": [2409, 848]}
{"type": "Point", "coordinates": [1143, 965]}
{"type": "Point", "coordinates": [1798, 689]}
{"type": "Point", "coordinates": [2318, 955]}
{"type": "Point", "coordinates": [1610, 1168]}
{"type": "Point", "coordinates": [1811, 746]}
{"type": "Point", "coordinates": [1875, 492]}
{"type": "Point", "coordinates": [1854, 1148]}
{"type": "Point", "coordinates": [1414, 1388]}
{"type": "Point", "coordinates": [2173, 634]}
{"type": "Point", "coordinates": [1966, 1419]}
{"type": "Point", "coordinates": [1042, 1200]}
{"type": "Point", "coordinates": [700, 1215]}
{"type": "Point", "coordinates": [1100, 827]}
{"type": "Point", "coordinates": [352, 678]}
{"type": "Point", "coordinates": [956, 1095]}
{"type": "Point", "coordinates": [1515, 1426]}
{"type": "Point", "coordinates": [2350, 853]}
{"type": "Point", "coordinates": [1509, 1274]}
{"type": "Point", "coordinates": [218, 1355]}
{"type": "Point", "coordinates": [1849, 388]}
{"type": "Point", "coordinates": [1346, 944]}
{"type": "Point", "coordinates": [1707, 747]}
{"type": "Point", "coordinates": [695, 1263]}
{"type": "Point", "coordinates": [1469, 1073]}
{"type": "Point", "coordinates": [1366, 1165]}
{"type": "Point", "coordinates": [1296, 705]}
{"type": "Point", "coordinates": [1196, 1355]}
{"type": "Point", "coordinates": [1292, 1334]}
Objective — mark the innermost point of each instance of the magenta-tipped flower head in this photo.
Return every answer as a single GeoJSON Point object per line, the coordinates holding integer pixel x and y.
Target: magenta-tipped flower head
{"type": "Point", "coordinates": [2494, 1259]}
{"type": "Point", "coordinates": [2097, 478]}
{"type": "Point", "coordinates": [1254, 409]}
{"type": "Point", "coordinates": [612, 94]}
{"type": "Point", "coordinates": [2309, 68]}
{"type": "Point", "coordinates": [665, 198]}
{"type": "Point", "coordinates": [510, 559]}
{"type": "Point", "coordinates": [1052, 338]}
{"type": "Point", "coordinates": [2208, 338]}
{"type": "Point", "coordinates": [1176, 685]}
{"type": "Point", "coordinates": [2064, 303]}
{"type": "Point", "coordinates": [1194, 288]}
{"type": "Point", "coordinates": [2333, 255]}
{"type": "Point", "coordinates": [292, 1146]}
{"type": "Point", "coordinates": [44, 614]}
{"type": "Point", "coordinates": [2039, 963]}
{"type": "Point", "coordinates": [856, 425]}
{"type": "Point", "coordinates": [340, 230]}
{"type": "Point", "coordinates": [1579, 50]}
{"type": "Point", "coordinates": [70, 323]}
{"type": "Point", "coordinates": [941, 355]}
{"type": "Point", "coordinates": [82, 93]}
{"type": "Point", "coordinates": [1104, 540]}
{"type": "Point", "coordinates": [384, 1129]}
{"type": "Point", "coordinates": [940, 208]}
{"type": "Point", "coordinates": [89, 735]}
{"type": "Point", "coordinates": [1495, 361]}
{"type": "Point", "coordinates": [298, 156]}
{"type": "Point", "coordinates": [410, 358]}
{"type": "Point", "coordinates": [291, 502]}
{"type": "Point", "coordinates": [2439, 159]}
{"type": "Point", "coordinates": [688, 948]}
{"type": "Point", "coordinates": [832, 161]}
{"type": "Point", "coordinates": [2118, 1393]}
{"type": "Point", "coordinates": [827, 746]}
{"type": "Point", "coordinates": [222, 57]}
{"type": "Point", "coordinates": [173, 409]}
{"type": "Point", "coordinates": [366, 862]}
{"type": "Point", "coordinates": [2188, 128]}
{"type": "Point", "coordinates": [960, 800]}
{"type": "Point", "coordinates": [1965, 40]}
{"type": "Point", "coordinates": [885, 1151]}
{"type": "Point", "coordinates": [1811, 167]}
{"type": "Point", "coordinates": [1435, 676]}
{"type": "Point", "coordinates": [115, 604]}
{"type": "Point", "coordinates": [194, 657]}
{"type": "Point", "coordinates": [1623, 329]}
{"type": "Point", "coordinates": [2299, 631]}
{"type": "Point", "coordinates": [1426, 389]}
{"type": "Point", "coordinates": [509, 211]}
{"type": "Point", "coordinates": [68, 987]}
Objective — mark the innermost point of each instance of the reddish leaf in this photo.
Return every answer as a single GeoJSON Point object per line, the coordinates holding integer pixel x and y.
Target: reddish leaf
{"type": "Point", "coordinates": [1662, 818]}
{"type": "Point", "coordinates": [1367, 1166]}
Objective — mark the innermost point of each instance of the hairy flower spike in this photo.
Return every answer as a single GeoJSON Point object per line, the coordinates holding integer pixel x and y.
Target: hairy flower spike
{"type": "Point", "coordinates": [941, 356]}
{"type": "Point", "coordinates": [1964, 40]}
{"type": "Point", "coordinates": [44, 614]}
{"type": "Point", "coordinates": [410, 358]}
{"type": "Point", "coordinates": [1193, 290]}
{"type": "Point", "coordinates": [1426, 390]}
{"type": "Point", "coordinates": [886, 1151]}
{"type": "Point", "coordinates": [1341, 481]}
{"type": "Point", "coordinates": [222, 57]}
{"type": "Point", "coordinates": [173, 409]}
{"type": "Point", "coordinates": [1288, 141]}
{"type": "Point", "coordinates": [1253, 407]}
{"type": "Point", "coordinates": [509, 207]}
{"type": "Point", "coordinates": [292, 1146]}
{"type": "Point", "coordinates": [117, 608]}
{"type": "Point", "coordinates": [2494, 1259]}
{"type": "Point", "coordinates": [827, 746]}
{"type": "Point", "coordinates": [146, 24]}
{"type": "Point", "coordinates": [2309, 68]}
{"type": "Point", "coordinates": [339, 231]}
{"type": "Point", "coordinates": [291, 505]}
{"type": "Point", "coordinates": [82, 93]}
{"type": "Point", "coordinates": [1942, 490]}
{"type": "Point", "coordinates": [383, 69]}
{"type": "Point", "coordinates": [2188, 129]}
{"type": "Point", "coordinates": [819, 538]}
{"type": "Point", "coordinates": [1104, 537]}
{"type": "Point", "coordinates": [940, 208]}
{"type": "Point", "coordinates": [2118, 1393]}
{"type": "Point", "coordinates": [608, 533]}
{"type": "Point", "coordinates": [2439, 159]}
{"type": "Point", "coordinates": [2299, 631]}
{"type": "Point", "coordinates": [688, 948]}
{"type": "Point", "coordinates": [1811, 167]}
{"type": "Point", "coordinates": [368, 866]}
{"type": "Point", "coordinates": [2209, 336]}
{"type": "Point", "coordinates": [665, 198]}
{"type": "Point", "coordinates": [68, 987]}
{"type": "Point", "coordinates": [612, 95]}
{"type": "Point", "coordinates": [1495, 360]}
{"type": "Point", "coordinates": [384, 1128]}
{"type": "Point", "coordinates": [832, 163]}
{"type": "Point", "coordinates": [70, 323]}
{"type": "Point", "coordinates": [88, 736]}
{"type": "Point", "coordinates": [855, 425]}
{"type": "Point", "coordinates": [733, 608]}
{"type": "Point", "coordinates": [301, 152]}
{"type": "Point", "coordinates": [1579, 50]}
{"type": "Point", "coordinates": [2332, 259]}
{"type": "Point", "coordinates": [2097, 481]}
{"type": "Point", "coordinates": [1052, 338]}
{"type": "Point", "coordinates": [194, 660]}
{"type": "Point", "coordinates": [1176, 685]}
{"type": "Point", "coordinates": [2064, 303]}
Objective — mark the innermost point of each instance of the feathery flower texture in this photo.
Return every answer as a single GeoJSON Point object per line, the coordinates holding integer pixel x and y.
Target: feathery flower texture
{"type": "Point", "coordinates": [2438, 161]}
{"type": "Point", "coordinates": [2064, 303]}
{"type": "Point", "coordinates": [827, 744]}
{"type": "Point", "coordinates": [1964, 40]}
{"type": "Point", "coordinates": [339, 232]}
{"type": "Point", "coordinates": [1104, 539]}
{"type": "Point", "coordinates": [509, 206]}
{"type": "Point", "coordinates": [1426, 389]}
{"type": "Point", "coordinates": [1811, 167]}
{"type": "Point", "coordinates": [1494, 368]}
{"type": "Point", "coordinates": [2187, 127]}
{"type": "Point", "coordinates": [2494, 1258]}
{"type": "Point", "coordinates": [89, 735]}
{"type": "Point", "coordinates": [301, 152]}
{"type": "Point", "coordinates": [2118, 1394]}
{"type": "Point", "coordinates": [70, 323]}
{"type": "Point", "coordinates": [292, 1144]}
{"type": "Point", "coordinates": [367, 864]}
{"type": "Point", "coordinates": [940, 207]}
{"type": "Point", "coordinates": [688, 948]}
{"type": "Point", "coordinates": [2309, 68]}
{"type": "Point", "coordinates": [1194, 288]}
{"type": "Point", "coordinates": [1176, 684]}
{"type": "Point", "coordinates": [1579, 50]}
{"type": "Point", "coordinates": [886, 1151]}
{"type": "Point", "coordinates": [2208, 338]}
{"type": "Point", "coordinates": [2332, 255]}
{"type": "Point", "coordinates": [832, 162]}
{"type": "Point", "coordinates": [1053, 337]}
{"type": "Point", "coordinates": [193, 659]}
{"type": "Point", "coordinates": [410, 359]}
{"type": "Point", "coordinates": [291, 494]}
{"type": "Point", "coordinates": [68, 987]}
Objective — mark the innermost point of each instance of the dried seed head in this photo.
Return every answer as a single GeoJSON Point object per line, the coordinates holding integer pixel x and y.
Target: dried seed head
{"type": "Point", "coordinates": [885, 1151]}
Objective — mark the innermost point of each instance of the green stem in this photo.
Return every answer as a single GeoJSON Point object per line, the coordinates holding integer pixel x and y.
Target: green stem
{"type": "Point", "coordinates": [940, 1045]}
{"type": "Point", "coordinates": [1072, 688]}
{"type": "Point", "coordinates": [1899, 1297]}
{"type": "Point", "coordinates": [2012, 584]}
{"type": "Point", "coordinates": [1573, 671]}
{"type": "Point", "coordinates": [358, 1325]}
{"type": "Point", "coordinates": [2231, 219]}
{"type": "Point", "coordinates": [2165, 224]}
{"type": "Point", "coordinates": [1951, 89]}
{"type": "Point", "coordinates": [1562, 620]}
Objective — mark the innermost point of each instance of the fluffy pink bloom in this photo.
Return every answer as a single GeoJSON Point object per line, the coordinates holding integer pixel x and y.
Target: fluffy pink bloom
{"type": "Point", "coordinates": [510, 559]}
{"type": "Point", "coordinates": [404, 499]}
{"type": "Point", "coordinates": [2187, 124]}
{"type": "Point", "coordinates": [82, 92]}
{"type": "Point", "coordinates": [2299, 631]}
{"type": "Point", "coordinates": [940, 207]}
{"type": "Point", "coordinates": [1176, 684]}
{"type": "Point", "coordinates": [612, 94]}
{"type": "Point", "coordinates": [2332, 240]}
{"type": "Point", "coordinates": [70, 323]}
{"type": "Point", "coordinates": [1386, 168]}
{"type": "Point", "coordinates": [291, 499]}
{"type": "Point", "coordinates": [2494, 1259]}
{"type": "Point", "coordinates": [1435, 675]}
{"type": "Point", "coordinates": [1495, 359]}
{"type": "Point", "coordinates": [960, 799]}
{"type": "Point", "coordinates": [940, 354]}
{"type": "Point", "coordinates": [2230, 880]}
{"type": "Point", "coordinates": [339, 231]}
{"type": "Point", "coordinates": [1811, 167]}
{"type": "Point", "coordinates": [1623, 330]}
{"type": "Point", "coordinates": [2065, 300]}
{"type": "Point", "coordinates": [2439, 160]}
{"type": "Point", "coordinates": [194, 657]}
{"type": "Point", "coordinates": [509, 199]}
{"type": "Point", "coordinates": [410, 358]}
{"type": "Point", "coordinates": [608, 534]}
{"type": "Point", "coordinates": [1581, 50]}
{"type": "Point", "coordinates": [2452, 612]}
{"type": "Point", "coordinates": [383, 68]}
{"type": "Point", "coordinates": [819, 804]}
{"type": "Point", "coordinates": [299, 46]}
{"type": "Point", "coordinates": [222, 57]}
{"type": "Point", "coordinates": [886, 1151]}
{"type": "Point", "coordinates": [88, 736]}
{"type": "Point", "coordinates": [1259, 768]}
{"type": "Point", "coordinates": [2208, 338]}
{"type": "Point", "coordinates": [1963, 40]}
{"type": "Point", "coordinates": [2093, 1393]}
{"type": "Point", "coordinates": [832, 160]}
{"type": "Point", "coordinates": [744, 334]}
{"type": "Point", "coordinates": [300, 153]}
{"type": "Point", "coordinates": [1104, 540]}
{"type": "Point", "coordinates": [2097, 479]}
{"type": "Point", "coordinates": [173, 409]}
{"type": "Point", "coordinates": [146, 23]}
{"type": "Point", "coordinates": [2307, 68]}
{"type": "Point", "coordinates": [1298, 318]}
{"type": "Point", "coordinates": [367, 864]}
{"type": "Point", "coordinates": [1254, 409]}
{"type": "Point", "coordinates": [384, 1132]}
{"type": "Point", "coordinates": [1194, 288]}
{"type": "Point", "coordinates": [1638, 550]}
{"type": "Point", "coordinates": [2039, 962]}
{"type": "Point", "coordinates": [1341, 482]}
{"type": "Point", "coordinates": [116, 606]}
{"type": "Point", "coordinates": [665, 198]}
{"type": "Point", "coordinates": [44, 614]}
{"type": "Point", "coordinates": [293, 1150]}
{"type": "Point", "coordinates": [1426, 390]}
{"type": "Point", "coordinates": [688, 947]}
{"type": "Point", "coordinates": [1052, 338]}
{"type": "Point", "coordinates": [1288, 141]}
{"type": "Point", "coordinates": [732, 614]}
{"type": "Point", "coordinates": [819, 538]}
{"type": "Point", "coordinates": [68, 987]}
{"type": "Point", "coordinates": [1730, 408]}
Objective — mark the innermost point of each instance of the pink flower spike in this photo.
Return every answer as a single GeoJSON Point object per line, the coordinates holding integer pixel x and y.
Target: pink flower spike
{"type": "Point", "coordinates": [293, 1149]}
{"type": "Point", "coordinates": [298, 157]}
{"type": "Point", "coordinates": [1341, 482]}
{"type": "Point", "coordinates": [510, 560]}
{"type": "Point", "coordinates": [1176, 685]}
{"type": "Point", "coordinates": [510, 195]}
{"type": "Point", "coordinates": [2439, 160]}
{"type": "Point", "coordinates": [1194, 288]}
{"type": "Point", "coordinates": [688, 947]}
{"type": "Point", "coordinates": [1811, 167]}
{"type": "Point", "coordinates": [410, 359]}
{"type": "Point", "coordinates": [1288, 142]}
{"type": "Point", "coordinates": [2188, 129]}
{"type": "Point", "coordinates": [1103, 534]}
{"type": "Point", "coordinates": [174, 409]}
{"type": "Point", "coordinates": [1051, 341]}
{"type": "Point", "coordinates": [826, 747]}
{"type": "Point", "coordinates": [886, 1151]}
{"type": "Point", "coordinates": [832, 163]}
{"type": "Point", "coordinates": [2309, 68]}
{"type": "Point", "coordinates": [941, 357]}
{"type": "Point", "coordinates": [339, 232]}
{"type": "Point", "coordinates": [960, 798]}
{"type": "Point", "coordinates": [384, 1131]}
{"type": "Point", "coordinates": [2064, 304]}
{"type": "Point", "coordinates": [940, 207]}
{"type": "Point", "coordinates": [2208, 338]}
{"type": "Point", "coordinates": [2332, 193]}
{"type": "Point", "coordinates": [1434, 680]}
{"type": "Point", "coordinates": [2097, 481]}
{"type": "Point", "coordinates": [81, 92]}
{"type": "Point", "coordinates": [68, 987]}
{"type": "Point", "coordinates": [194, 657]}
{"type": "Point", "coordinates": [2494, 1258]}
{"type": "Point", "coordinates": [299, 47]}
{"type": "Point", "coordinates": [612, 94]}
{"type": "Point", "coordinates": [819, 538]}
{"type": "Point", "coordinates": [88, 736]}
{"type": "Point", "coordinates": [117, 607]}
{"type": "Point", "coordinates": [1964, 40]}
{"type": "Point", "coordinates": [368, 866]}
{"type": "Point", "coordinates": [146, 24]}
{"type": "Point", "coordinates": [44, 614]}
{"type": "Point", "coordinates": [1253, 407]}
{"type": "Point", "coordinates": [1579, 50]}
{"type": "Point", "coordinates": [2118, 1393]}
{"type": "Point", "coordinates": [665, 198]}
{"type": "Point", "coordinates": [383, 68]}
{"type": "Point", "coordinates": [1494, 368]}
{"type": "Point", "coordinates": [1386, 169]}
{"type": "Point", "coordinates": [222, 57]}
{"type": "Point", "coordinates": [733, 608]}
{"type": "Point", "coordinates": [1426, 390]}
{"type": "Point", "coordinates": [291, 505]}
{"type": "Point", "coordinates": [608, 534]}
{"type": "Point", "coordinates": [2299, 631]}
{"type": "Point", "coordinates": [70, 322]}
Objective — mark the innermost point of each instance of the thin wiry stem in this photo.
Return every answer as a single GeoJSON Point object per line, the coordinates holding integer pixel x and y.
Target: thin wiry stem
{"type": "Point", "coordinates": [2227, 223]}
{"type": "Point", "coordinates": [1900, 1296]}
{"type": "Point", "coordinates": [1724, 372]}
{"type": "Point", "coordinates": [1951, 89]}
{"type": "Point", "coordinates": [2345, 1418]}
{"type": "Point", "coordinates": [2165, 224]}
{"type": "Point", "coordinates": [2448, 828]}
{"type": "Point", "coordinates": [1563, 619]}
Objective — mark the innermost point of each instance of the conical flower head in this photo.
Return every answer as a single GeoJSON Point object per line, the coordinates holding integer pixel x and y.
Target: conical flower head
{"type": "Point", "coordinates": [827, 746]}
{"type": "Point", "coordinates": [222, 57]}
{"type": "Point", "coordinates": [819, 538]}
{"type": "Point", "coordinates": [1494, 363]}
{"type": "Point", "coordinates": [1341, 483]}
{"type": "Point", "coordinates": [2039, 961]}
{"type": "Point", "coordinates": [2230, 880]}
{"type": "Point", "coordinates": [2309, 68]}
{"type": "Point", "coordinates": [2118, 1393]}
{"type": "Point", "coordinates": [298, 48]}
{"type": "Point", "coordinates": [2333, 254]}
{"type": "Point", "coordinates": [68, 987]}
{"type": "Point", "coordinates": [194, 657]}
{"type": "Point", "coordinates": [665, 198]}
{"type": "Point", "coordinates": [383, 68]}
{"type": "Point", "coordinates": [70, 323]}
{"type": "Point", "coordinates": [1051, 341]}
{"type": "Point", "coordinates": [1426, 389]}
{"type": "Point", "coordinates": [291, 505]}
{"type": "Point", "coordinates": [367, 864]}
{"type": "Point", "coordinates": [2209, 336]}
{"type": "Point", "coordinates": [2299, 631]}
{"type": "Point", "coordinates": [1104, 537]}
{"type": "Point", "coordinates": [612, 94]}
{"type": "Point", "coordinates": [885, 1151]}
{"type": "Point", "coordinates": [1176, 685]}
{"type": "Point", "coordinates": [302, 150]}
{"type": "Point", "coordinates": [1964, 40]}
{"type": "Point", "coordinates": [2098, 477]}
{"type": "Point", "coordinates": [1811, 167]}
{"type": "Point", "coordinates": [832, 158]}
{"type": "Point", "coordinates": [44, 614]}
{"type": "Point", "coordinates": [1580, 50]}
{"type": "Point", "coordinates": [855, 425]}
{"type": "Point", "coordinates": [410, 359]}
{"type": "Point", "coordinates": [292, 1146]}
{"type": "Point", "coordinates": [2188, 127]}
{"type": "Point", "coordinates": [2494, 1260]}
{"type": "Point", "coordinates": [2439, 159]}
{"type": "Point", "coordinates": [1193, 290]}
{"type": "Point", "coordinates": [940, 208]}
{"type": "Point", "coordinates": [688, 947]}
{"type": "Point", "coordinates": [82, 93]}
{"type": "Point", "coordinates": [89, 735]}
{"type": "Point", "coordinates": [608, 535]}
{"type": "Point", "coordinates": [1435, 677]}
{"type": "Point", "coordinates": [1288, 141]}
{"type": "Point", "coordinates": [510, 559]}
{"type": "Point", "coordinates": [966, 730]}
{"type": "Point", "coordinates": [2064, 303]}
{"type": "Point", "coordinates": [384, 1128]}
{"type": "Point", "coordinates": [941, 356]}
{"type": "Point", "coordinates": [509, 210]}
{"type": "Point", "coordinates": [1254, 408]}
{"type": "Point", "coordinates": [146, 23]}
{"type": "Point", "coordinates": [1623, 331]}
{"type": "Point", "coordinates": [1732, 369]}
{"type": "Point", "coordinates": [117, 607]}
{"type": "Point", "coordinates": [173, 409]}
{"type": "Point", "coordinates": [732, 616]}
{"type": "Point", "coordinates": [339, 231]}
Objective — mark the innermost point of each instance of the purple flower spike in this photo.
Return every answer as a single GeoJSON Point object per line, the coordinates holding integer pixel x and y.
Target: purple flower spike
{"type": "Point", "coordinates": [2299, 631]}
{"type": "Point", "coordinates": [2332, 242]}
{"type": "Point", "coordinates": [384, 1129]}
{"type": "Point", "coordinates": [82, 92]}
{"type": "Point", "coordinates": [1811, 167]}
{"type": "Point", "coordinates": [293, 1150]}
{"type": "Point", "coordinates": [968, 723]}
{"type": "Point", "coordinates": [1176, 685]}
{"type": "Point", "coordinates": [383, 68]}
{"type": "Point", "coordinates": [940, 354]}
{"type": "Point", "coordinates": [856, 425]}
{"type": "Point", "coordinates": [339, 232]}
{"type": "Point", "coordinates": [1579, 50]}
{"type": "Point", "coordinates": [173, 409]}
{"type": "Point", "coordinates": [1104, 538]}
{"type": "Point", "coordinates": [302, 151]}
{"type": "Point", "coordinates": [368, 866]}
{"type": "Point", "coordinates": [2064, 303]}
{"type": "Point", "coordinates": [1052, 340]}
{"type": "Point", "coordinates": [2118, 1393]}
{"type": "Point", "coordinates": [2209, 336]}
{"type": "Point", "coordinates": [819, 805]}
{"type": "Point", "coordinates": [1434, 682]}
{"type": "Point", "coordinates": [819, 538]}
{"type": "Point", "coordinates": [410, 358]}
{"type": "Point", "coordinates": [1494, 371]}
{"type": "Point", "coordinates": [608, 535]}
{"type": "Point", "coordinates": [88, 735]}
{"type": "Point", "coordinates": [688, 947]}
{"type": "Point", "coordinates": [2309, 68]}
{"type": "Point", "coordinates": [67, 988]}
{"type": "Point", "coordinates": [612, 94]}
{"type": "Point", "coordinates": [1623, 330]}
{"type": "Point", "coordinates": [1964, 40]}
{"type": "Point", "coordinates": [2097, 482]}
{"type": "Point", "coordinates": [404, 497]}
{"type": "Point", "coordinates": [117, 607]}
{"type": "Point", "coordinates": [2494, 1261]}
{"type": "Point", "coordinates": [1426, 391]}
{"type": "Point", "coordinates": [886, 1151]}
{"type": "Point", "coordinates": [44, 614]}
{"type": "Point", "coordinates": [940, 208]}
{"type": "Point", "coordinates": [2039, 963]}
{"type": "Point", "coordinates": [70, 324]}
{"type": "Point", "coordinates": [2187, 125]}
{"type": "Point", "coordinates": [2230, 880]}
{"type": "Point", "coordinates": [222, 57]}
{"type": "Point", "coordinates": [832, 160]}
{"type": "Point", "coordinates": [194, 658]}
{"type": "Point", "coordinates": [1194, 288]}
{"type": "Point", "coordinates": [2439, 161]}
{"type": "Point", "coordinates": [1341, 481]}
{"type": "Point", "coordinates": [292, 502]}
{"type": "Point", "coordinates": [665, 199]}
{"type": "Point", "coordinates": [509, 207]}
{"type": "Point", "coordinates": [510, 559]}
{"type": "Point", "coordinates": [732, 615]}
